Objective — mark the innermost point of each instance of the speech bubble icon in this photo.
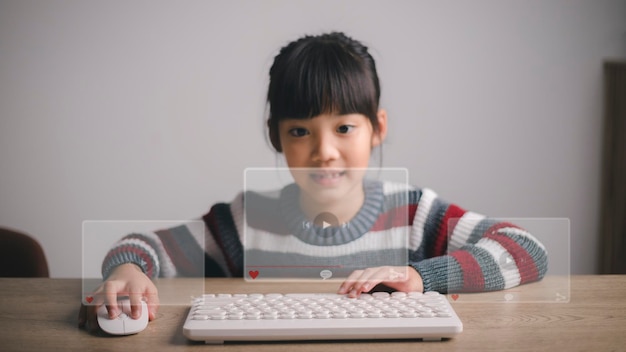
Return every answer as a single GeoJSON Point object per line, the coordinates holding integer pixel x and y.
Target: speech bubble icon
{"type": "Point", "coordinates": [326, 274]}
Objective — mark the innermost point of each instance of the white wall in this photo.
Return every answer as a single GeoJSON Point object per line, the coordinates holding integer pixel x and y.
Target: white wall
{"type": "Point", "coordinates": [148, 110]}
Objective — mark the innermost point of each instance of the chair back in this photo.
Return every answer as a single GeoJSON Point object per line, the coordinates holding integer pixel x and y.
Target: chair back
{"type": "Point", "coordinates": [21, 255]}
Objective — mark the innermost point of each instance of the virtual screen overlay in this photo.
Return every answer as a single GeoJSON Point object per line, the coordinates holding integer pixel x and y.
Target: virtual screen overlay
{"type": "Point", "coordinates": [304, 224]}
{"type": "Point", "coordinates": [512, 242]}
{"type": "Point", "coordinates": [103, 237]}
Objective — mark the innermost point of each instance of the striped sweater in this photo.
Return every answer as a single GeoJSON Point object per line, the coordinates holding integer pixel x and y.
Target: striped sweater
{"type": "Point", "coordinates": [454, 250]}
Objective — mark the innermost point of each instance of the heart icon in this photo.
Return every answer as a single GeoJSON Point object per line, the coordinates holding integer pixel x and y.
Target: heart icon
{"type": "Point", "coordinates": [253, 273]}
{"type": "Point", "coordinates": [89, 299]}
{"type": "Point", "coordinates": [454, 296]}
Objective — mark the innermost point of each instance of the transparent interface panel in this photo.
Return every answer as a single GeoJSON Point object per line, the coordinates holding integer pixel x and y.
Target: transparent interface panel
{"type": "Point", "coordinates": [322, 224]}
{"type": "Point", "coordinates": [510, 249]}
{"type": "Point", "coordinates": [139, 240]}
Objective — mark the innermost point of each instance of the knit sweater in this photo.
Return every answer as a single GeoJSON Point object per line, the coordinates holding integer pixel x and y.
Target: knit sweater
{"type": "Point", "coordinates": [452, 249]}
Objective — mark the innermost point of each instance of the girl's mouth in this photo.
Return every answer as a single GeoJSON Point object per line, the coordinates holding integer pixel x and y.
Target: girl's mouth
{"type": "Point", "coordinates": [327, 178]}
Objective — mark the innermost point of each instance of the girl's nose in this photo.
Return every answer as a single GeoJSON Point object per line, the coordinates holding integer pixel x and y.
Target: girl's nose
{"type": "Point", "coordinates": [325, 149]}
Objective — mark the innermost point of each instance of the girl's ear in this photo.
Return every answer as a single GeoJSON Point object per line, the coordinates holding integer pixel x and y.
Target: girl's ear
{"type": "Point", "coordinates": [379, 135]}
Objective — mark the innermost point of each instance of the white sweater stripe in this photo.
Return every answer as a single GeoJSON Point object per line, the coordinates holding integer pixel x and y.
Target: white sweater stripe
{"type": "Point", "coordinates": [463, 230]}
{"type": "Point", "coordinates": [423, 209]}
{"type": "Point", "coordinates": [508, 269]}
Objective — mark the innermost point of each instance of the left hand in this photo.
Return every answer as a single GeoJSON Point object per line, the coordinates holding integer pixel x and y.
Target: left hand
{"type": "Point", "coordinates": [400, 278]}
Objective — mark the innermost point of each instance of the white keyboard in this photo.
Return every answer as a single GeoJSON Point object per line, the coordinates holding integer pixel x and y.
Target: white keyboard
{"type": "Point", "coordinates": [215, 318]}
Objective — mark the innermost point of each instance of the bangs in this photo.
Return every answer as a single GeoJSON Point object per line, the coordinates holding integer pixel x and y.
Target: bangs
{"type": "Point", "coordinates": [320, 79]}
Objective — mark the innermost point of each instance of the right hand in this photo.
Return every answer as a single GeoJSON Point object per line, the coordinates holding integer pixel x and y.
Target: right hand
{"type": "Point", "coordinates": [125, 280]}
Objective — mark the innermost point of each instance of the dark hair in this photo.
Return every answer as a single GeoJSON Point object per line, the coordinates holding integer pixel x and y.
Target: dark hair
{"type": "Point", "coordinates": [328, 73]}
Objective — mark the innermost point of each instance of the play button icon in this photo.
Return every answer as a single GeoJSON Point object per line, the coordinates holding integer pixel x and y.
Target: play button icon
{"type": "Point", "coordinates": [506, 260]}
{"type": "Point", "coordinates": [325, 220]}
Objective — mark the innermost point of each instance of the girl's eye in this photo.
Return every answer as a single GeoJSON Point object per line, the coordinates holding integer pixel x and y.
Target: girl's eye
{"type": "Point", "coordinates": [298, 132]}
{"type": "Point", "coordinates": [345, 128]}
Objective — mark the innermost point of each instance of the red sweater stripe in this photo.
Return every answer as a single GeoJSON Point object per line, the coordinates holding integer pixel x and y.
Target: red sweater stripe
{"type": "Point", "coordinates": [473, 280]}
{"type": "Point", "coordinates": [174, 251]}
{"type": "Point", "coordinates": [396, 217]}
{"type": "Point", "coordinates": [525, 264]}
{"type": "Point", "coordinates": [449, 220]}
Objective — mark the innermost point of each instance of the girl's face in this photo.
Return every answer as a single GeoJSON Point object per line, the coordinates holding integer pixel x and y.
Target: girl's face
{"type": "Point", "coordinates": [328, 154]}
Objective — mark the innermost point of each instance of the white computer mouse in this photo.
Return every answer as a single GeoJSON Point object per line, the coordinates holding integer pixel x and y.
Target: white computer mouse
{"type": "Point", "coordinates": [123, 324]}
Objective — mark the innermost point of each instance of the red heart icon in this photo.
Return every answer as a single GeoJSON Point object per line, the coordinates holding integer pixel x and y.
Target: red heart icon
{"type": "Point", "coordinates": [253, 273]}
{"type": "Point", "coordinates": [89, 299]}
{"type": "Point", "coordinates": [454, 296]}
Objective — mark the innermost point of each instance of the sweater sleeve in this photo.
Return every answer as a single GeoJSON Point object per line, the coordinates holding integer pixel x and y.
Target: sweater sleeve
{"type": "Point", "coordinates": [211, 248]}
{"type": "Point", "coordinates": [455, 250]}
{"type": "Point", "coordinates": [168, 252]}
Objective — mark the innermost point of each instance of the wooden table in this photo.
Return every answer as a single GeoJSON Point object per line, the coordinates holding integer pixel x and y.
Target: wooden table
{"type": "Point", "coordinates": [41, 314]}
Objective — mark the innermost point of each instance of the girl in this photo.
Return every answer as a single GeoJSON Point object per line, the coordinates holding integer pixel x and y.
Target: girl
{"type": "Point", "coordinates": [324, 117]}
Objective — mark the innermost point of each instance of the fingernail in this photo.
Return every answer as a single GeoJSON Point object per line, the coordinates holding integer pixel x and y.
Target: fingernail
{"type": "Point", "coordinates": [112, 313]}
